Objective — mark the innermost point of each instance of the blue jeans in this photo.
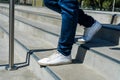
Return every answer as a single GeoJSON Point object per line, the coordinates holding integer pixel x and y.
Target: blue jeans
{"type": "Point", "coordinates": [71, 15]}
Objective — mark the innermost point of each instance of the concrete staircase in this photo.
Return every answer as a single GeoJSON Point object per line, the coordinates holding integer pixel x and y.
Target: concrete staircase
{"type": "Point", "coordinates": [36, 36]}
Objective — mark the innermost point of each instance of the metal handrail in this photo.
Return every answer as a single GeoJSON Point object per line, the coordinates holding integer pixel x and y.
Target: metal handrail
{"type": "Point", "coordinates": [113, 7]}
{"type": "Point", "coordinates": [11, 37]}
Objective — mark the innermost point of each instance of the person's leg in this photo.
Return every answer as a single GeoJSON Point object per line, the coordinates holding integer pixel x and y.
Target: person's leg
{"type": "Point", "coordinates": [83, 19]}
{"type": "Point", "coordinates": [53, 4]}
{"type": "Point", "coordinates": [91, 26]}
{"type": "Point", "coordinates": [69, 12]}
{"type": "Point", "coordinates": [69, 22]}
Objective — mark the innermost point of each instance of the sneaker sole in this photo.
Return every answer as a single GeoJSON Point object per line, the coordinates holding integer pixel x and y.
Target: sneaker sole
{"type": "Point", "coordinates": [82, 42]}
{"type": "Point", "coordinates": [63, 63]}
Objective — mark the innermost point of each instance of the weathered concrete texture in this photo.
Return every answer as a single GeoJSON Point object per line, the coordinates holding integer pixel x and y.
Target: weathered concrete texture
{"type": "Point", "coordinates": [21, 74]}
{"type": "Point", "coordinates": [76, 72]}
{"type": "Point", "coordinates": [3, 52]}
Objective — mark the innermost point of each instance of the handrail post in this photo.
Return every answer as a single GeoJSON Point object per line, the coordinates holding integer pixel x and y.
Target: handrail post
{"type": "Point", "coordinates": [113, 6]}
{"type": "Point", "coordinates": [11, 37]}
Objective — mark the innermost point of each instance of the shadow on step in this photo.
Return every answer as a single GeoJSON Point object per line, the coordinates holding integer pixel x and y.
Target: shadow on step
{"type": "Point", "coordinates": [19, 65]}
{"type": "Point", "coordinates": [24, 64]}
{"type": "Point", "coordinates": [41, 50]}
{"type": "Point", "coordinates": [79, 59]}
{"type": "Point", "coordinates": [82, 51]}
{"type": "Point", "coordinates": [96, 43]}
{"type": "Point", "coordinates": [115, 48]}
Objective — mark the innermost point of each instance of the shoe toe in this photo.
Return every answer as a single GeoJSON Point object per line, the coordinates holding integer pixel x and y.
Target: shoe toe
{"type": "Point", "coordinates": [82, 41]}
{"type": "Point", "coordinates": [45, 60]}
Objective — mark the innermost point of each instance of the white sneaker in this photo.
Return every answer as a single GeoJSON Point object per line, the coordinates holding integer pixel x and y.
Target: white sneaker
{"type": "Point", "coordinates": [90, 32]}
{"type": "Point", "coordinates": [55, 59]}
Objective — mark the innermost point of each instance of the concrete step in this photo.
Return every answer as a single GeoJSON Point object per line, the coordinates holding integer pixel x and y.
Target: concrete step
{"type": "Point", "coordinates": [40, 48]}
{"type": "Point", "coordinates": [22, 73]}
{"type": "Point", "coordinates": [44, 31]}
{"type": "Point", "coordinates": [102, 56]}
{"type": "Point", "coordinates": [1, 34]}
{"type": "Point", "coordinates": [110, 33]}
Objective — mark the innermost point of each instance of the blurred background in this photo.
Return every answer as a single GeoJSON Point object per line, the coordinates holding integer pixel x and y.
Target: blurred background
{"type": "Point", "coordinates": [100, 5]}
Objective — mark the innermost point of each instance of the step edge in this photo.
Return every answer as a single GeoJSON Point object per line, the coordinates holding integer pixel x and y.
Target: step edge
{"type": "Point", "coordinates": [99, 53]}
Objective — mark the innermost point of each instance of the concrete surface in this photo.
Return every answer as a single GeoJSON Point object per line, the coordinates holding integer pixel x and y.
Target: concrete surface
{"type": "Point", "coordinates": [21, 74]}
